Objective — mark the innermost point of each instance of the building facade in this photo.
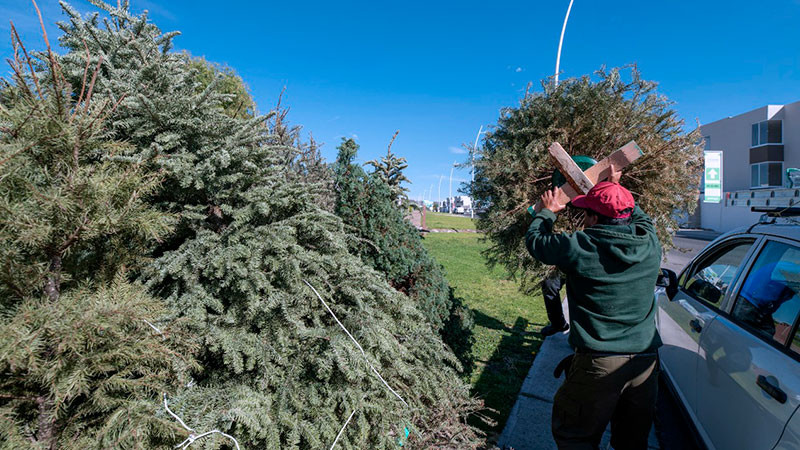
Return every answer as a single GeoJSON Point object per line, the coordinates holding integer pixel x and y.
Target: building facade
{"type": "Point", "coordinates": [758, 147]}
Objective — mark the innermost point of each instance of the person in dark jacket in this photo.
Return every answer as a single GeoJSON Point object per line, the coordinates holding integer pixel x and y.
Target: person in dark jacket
{"type": "Point", "coordinates": [611, 267]}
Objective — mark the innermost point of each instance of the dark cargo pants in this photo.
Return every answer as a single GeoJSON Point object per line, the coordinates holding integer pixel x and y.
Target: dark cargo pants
{"type": "Point", "coordinates": [600, 388]}
{"type": "Point", "coordinates": [551, 292]}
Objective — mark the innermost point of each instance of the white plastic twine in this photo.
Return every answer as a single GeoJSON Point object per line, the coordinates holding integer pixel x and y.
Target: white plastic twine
{"type": "Point", "coordinates": [192, 436]}
{"type": "Point", "coordinates": [153, 327]}
{"type": "Point", "coordinates": [355, 342]}
{"type": "Point", "coordinates": [343, 427]}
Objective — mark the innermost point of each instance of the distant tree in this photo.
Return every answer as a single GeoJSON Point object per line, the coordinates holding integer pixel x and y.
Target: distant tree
{"type": "Point", "coordinates": [392, 245]}
{"type": "Point", "coordinates": [82, 363]}
{"type": "Point", "coordinates": [588, 116]}
{"type": "Point", "coordinates": [238, 102]}
{"type": "Point", "coordinates": [390, 169]}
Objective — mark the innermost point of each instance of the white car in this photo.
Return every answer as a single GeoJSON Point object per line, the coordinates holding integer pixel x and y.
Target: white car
{"type": "Point", "coordinates": [731, 352]}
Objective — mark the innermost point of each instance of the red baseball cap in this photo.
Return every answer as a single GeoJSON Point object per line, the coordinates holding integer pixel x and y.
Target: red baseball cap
{"type": "Point", "coordinates": [607, 198]}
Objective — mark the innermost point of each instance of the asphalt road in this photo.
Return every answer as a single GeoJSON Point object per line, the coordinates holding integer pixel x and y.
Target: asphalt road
{"type": "Point", "coordinates": [674, 432]}
{"type": "Point", "coordinates": [688, 244]}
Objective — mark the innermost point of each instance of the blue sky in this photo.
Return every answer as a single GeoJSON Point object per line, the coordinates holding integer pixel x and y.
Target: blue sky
{"type": "Point", "coordinates": [438, 70]}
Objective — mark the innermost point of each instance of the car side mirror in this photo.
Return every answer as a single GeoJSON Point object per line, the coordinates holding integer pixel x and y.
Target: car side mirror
{"type": "Point", "coordinates": [669, 281]}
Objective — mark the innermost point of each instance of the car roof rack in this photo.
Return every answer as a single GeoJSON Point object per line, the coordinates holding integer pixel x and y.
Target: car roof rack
{"type": "Point", "coordinates": [777, 211]}
{"type": "Point", "coordinates": [772, 213]}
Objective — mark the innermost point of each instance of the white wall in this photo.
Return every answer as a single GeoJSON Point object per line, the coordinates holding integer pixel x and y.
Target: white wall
{"type": "Point", "coordinates": [791, 135]}
{"type": "Point", "coordinates": [733, 137]}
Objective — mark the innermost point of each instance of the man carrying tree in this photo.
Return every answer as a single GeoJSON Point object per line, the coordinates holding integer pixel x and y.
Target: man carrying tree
{"type": "Point", "coordinates": [611, 268]}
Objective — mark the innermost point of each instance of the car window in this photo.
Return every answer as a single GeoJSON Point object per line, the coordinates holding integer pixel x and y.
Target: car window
{"type": "Point", "coordinates": [768, 301]}
{"type": "Point", "coordinates": [711, 278]}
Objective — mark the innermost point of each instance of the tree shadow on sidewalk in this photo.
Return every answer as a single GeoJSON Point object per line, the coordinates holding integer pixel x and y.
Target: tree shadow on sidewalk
{"type": "Point", "coordinates": [506, 369]}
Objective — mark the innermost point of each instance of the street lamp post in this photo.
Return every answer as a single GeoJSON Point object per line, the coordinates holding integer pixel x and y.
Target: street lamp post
{"type": "Point", "coordinates": [472, 156]}
{"type": "Point", "coordinates": [439, 196]}
{"type": "Point", "coordinates": [450, 208]}
{"type": "Point", "coordinates": [561, 40]}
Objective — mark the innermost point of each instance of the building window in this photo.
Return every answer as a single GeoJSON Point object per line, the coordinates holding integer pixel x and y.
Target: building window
{"type": "Point", "coordinates": [767, 132]}
{"type": "Point", "coordinates": [706, 142]}
{"type": "Point", "coordinates": [766, 174]}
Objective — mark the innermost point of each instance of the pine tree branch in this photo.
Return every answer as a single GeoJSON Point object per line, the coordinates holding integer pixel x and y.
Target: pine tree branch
{"type": "Point", "coordinates": [389, 150]}
{"type": "Point", "coordinates": [75, 234]}
{"type": "Point", "coordinates": [10, 157]}
{"type": "Point", "coordinates": [345, 425]}
{"type": "Point", "coordinates": [363, 353]}
{"type": "Point", "coordinates": [192, 436]}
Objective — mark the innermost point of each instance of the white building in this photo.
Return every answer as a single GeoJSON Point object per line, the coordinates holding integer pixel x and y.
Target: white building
{"type": "Point", "coordinates": [458, 203]}
{"type": "Point", "coordinates": [757, 149]}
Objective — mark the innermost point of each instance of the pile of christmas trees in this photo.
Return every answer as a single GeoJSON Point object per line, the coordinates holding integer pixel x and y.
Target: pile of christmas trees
{"type": "Point", "coordinates": [158, 237]}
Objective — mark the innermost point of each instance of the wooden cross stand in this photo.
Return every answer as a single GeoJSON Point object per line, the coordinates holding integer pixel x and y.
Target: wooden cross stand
{"type": "Point", "coordinates": [578, 181]}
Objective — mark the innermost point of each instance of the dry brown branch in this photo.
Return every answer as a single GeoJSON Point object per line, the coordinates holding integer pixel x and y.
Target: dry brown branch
{"type": "Point", "coordinates": [91, 84]}
{"type": "Point", "coordinates": [24, 149]}
{"type": "Point", "coordinates": [54, 68]}
{"type": "Point", "coordinates": [18, 41]}
{"type": "Point", "coordinates": [72, 238]}
{"type": "Point", "coordinates": [85, 71]}
{"type": "Point", "coordinates": [15, 132]}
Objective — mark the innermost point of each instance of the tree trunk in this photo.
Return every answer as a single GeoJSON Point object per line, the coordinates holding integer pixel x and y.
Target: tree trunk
{"type": "Point", "coordinates": [52, 286]}
{"type": "Point", "coordinates": [47, 426]}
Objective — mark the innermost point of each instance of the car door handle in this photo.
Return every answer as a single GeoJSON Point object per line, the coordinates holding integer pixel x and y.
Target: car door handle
{"type": "Point", "coordinates": [770, 386]}
{"type": "Point", "coordinates": [696, 325]}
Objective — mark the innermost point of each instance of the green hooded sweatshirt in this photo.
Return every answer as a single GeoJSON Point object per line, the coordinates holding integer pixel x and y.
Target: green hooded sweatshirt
{"type": "Point", "coordinates": [611, 274]}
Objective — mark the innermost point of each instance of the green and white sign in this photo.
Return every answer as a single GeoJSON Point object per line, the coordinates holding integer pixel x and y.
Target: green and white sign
{"type": "Point", "coordinates": [713, 176]}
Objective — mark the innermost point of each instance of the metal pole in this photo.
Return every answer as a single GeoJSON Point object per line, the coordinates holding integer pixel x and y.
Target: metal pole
{"type": "Point", "coordinates": [472, 155]}
{"type": "Point", "coordinates": [450, 199]}
{"type": "Point", "coordinates": [561, 41]}
{"type": "Point", "coordinates": [439, 197]}
{"type": "Point", "coordinates": [430, 193]}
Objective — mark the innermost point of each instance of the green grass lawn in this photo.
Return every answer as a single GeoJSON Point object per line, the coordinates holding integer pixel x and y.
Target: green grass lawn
{"type": "Point", "coordinates": [507, 323]}
{"type": "Point", "coordinates": [441, 220]}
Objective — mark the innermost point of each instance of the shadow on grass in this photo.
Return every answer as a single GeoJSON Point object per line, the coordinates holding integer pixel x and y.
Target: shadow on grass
{"type": "Point", "coordinates": [503, 374]}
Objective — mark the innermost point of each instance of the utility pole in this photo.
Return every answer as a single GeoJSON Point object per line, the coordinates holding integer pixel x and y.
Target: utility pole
{"type": "Point", "coordinates": [561, 41]}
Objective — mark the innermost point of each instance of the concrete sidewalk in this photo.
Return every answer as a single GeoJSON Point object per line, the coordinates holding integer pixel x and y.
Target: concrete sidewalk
{"type": "Point", "coordinates": [528, 426]}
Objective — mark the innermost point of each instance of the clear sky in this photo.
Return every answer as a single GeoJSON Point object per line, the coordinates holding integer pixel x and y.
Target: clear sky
{"type": "Point", "coordinates": [438, 70]}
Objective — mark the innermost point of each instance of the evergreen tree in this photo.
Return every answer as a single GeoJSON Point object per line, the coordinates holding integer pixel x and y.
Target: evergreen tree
{"type": "Point", "coordinates": [251, 242]}
{"type": "Point", "coordinates": [240, 103]}
{"type": "Point", "coordinates": [390, 244]}
{"type": "Point", "coordinates": [588, 117]}
{"type": "Point", "coordinates": [303, 158]}
{"type": "Point", "coordinates": [82, 366]}
{"type": "Point", "coordinates": [390, 170]}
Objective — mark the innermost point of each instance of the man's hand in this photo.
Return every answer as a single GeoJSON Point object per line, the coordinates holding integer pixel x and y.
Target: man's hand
{"type": "Point", "coordinates": [550, 200]}
{"type": "Point", "coordinates": [615, 174]}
